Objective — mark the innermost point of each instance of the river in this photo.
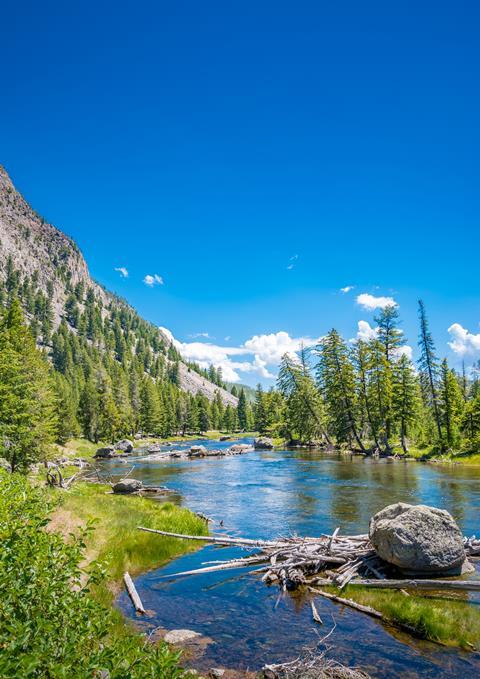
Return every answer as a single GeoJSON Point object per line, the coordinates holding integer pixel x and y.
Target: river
{"type": "Point", "coordinates": [265, 494]}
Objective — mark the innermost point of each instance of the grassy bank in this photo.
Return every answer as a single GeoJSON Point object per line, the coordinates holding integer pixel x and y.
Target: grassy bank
{"type": "Point", "coordinates": [450, 621]}
{"type": "Point", "coordinates": [116, 541]}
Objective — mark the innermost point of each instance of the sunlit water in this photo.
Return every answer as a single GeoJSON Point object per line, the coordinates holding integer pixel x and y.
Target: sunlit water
{"type": "Point", "coordinates": [265, 494]}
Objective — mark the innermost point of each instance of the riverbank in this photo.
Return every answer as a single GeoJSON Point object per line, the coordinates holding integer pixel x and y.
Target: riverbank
{"type": "Point", "coordinates": [115, 540]}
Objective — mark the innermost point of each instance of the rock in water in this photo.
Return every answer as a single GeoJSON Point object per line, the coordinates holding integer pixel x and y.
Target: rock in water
{"type": "Point", "coordinates": [264, 443]}
{"type": "Point", "coordinates": [125, 445]}
{"type": "Point", "coordinates": [108, 451]}
{"type": "Point", "coordinates": [418, 539]}
{"type": "Point", "coordinates": [180, 636]}
{"type": "Point", "coordinates": [198, 451]}
{"type": "Point", "coordinates": [127, 486]}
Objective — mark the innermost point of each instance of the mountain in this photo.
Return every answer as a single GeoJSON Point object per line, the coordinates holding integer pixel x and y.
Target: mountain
{"type": "Point", "coordinates": [51, 276]}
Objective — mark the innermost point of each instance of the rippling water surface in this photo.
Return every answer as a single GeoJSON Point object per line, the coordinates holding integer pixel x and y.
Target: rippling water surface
{"type": "Point", "coordinates": [265, 494]}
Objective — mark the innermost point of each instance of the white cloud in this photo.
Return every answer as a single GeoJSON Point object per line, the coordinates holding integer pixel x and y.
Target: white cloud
{"type": "Point", "coordinates": [122, 271]}
{"type": "Point", "coordinates": [463, 342]}
{"type": "Point", "coordinates": [292, 261]}
{"type": "Point", "coordinates": [405, 350]}
{"type": "Point", "coordinates": [205, 335]}
{"type": "Point", "coordinates": [347, 289]}
{"type": "Point", "coordinates": [151, 281]}
{"type": "Point", "coordinates": [370, 302]}
{"type": "Point", "coordinates": [260, 355]}
{"type": "Point", "coordinates": [365, 331]}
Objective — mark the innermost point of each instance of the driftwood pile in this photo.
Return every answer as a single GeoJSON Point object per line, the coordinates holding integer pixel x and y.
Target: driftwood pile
{"type": "Point", "coordinates": [327, 560]}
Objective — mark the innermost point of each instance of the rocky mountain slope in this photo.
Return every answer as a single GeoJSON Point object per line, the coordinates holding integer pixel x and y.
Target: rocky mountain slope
{"type": "Point", "coordinates": [39, 252]}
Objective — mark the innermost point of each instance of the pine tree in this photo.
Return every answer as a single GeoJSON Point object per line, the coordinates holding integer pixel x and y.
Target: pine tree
{"type": "Point", "coordinates": [242, 410]}
{"type": "Point", "coordinates": [336, 379]}
{"type": "Point", "coordinates": [451, 405]}
{"type": "Point", "coordinates": [27, 401]}
{"type": "Point", "coordinates": [406, 399]}
{"type": "Point", "coordinates": [260, 410]}
{"type": "Point", "coordinates": [304, 408]}
{"type": "Point", "coordinates": [428, 364]}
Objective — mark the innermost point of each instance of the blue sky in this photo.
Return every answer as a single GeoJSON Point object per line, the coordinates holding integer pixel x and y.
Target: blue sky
{"type": "Point", "coordinates": [257, 157]}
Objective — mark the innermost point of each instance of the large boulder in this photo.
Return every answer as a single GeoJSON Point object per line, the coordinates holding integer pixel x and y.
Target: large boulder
{"type": "Point", "coordinates": [108, 451]}
{"type": "Point", "coordinates": [263, 443]}
{"type": "Point", "coordinates": [198, 451]}
{"type": "Point", "coordinates": [418, 539]}
{"type": "Point", "coordinates": [127, 486]}
{"type": "Point", "coordinates": [124, 445]}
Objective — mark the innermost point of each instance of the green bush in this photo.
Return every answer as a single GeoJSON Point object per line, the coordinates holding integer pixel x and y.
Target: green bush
{"type": "Point", "coordinates": [49, 624]}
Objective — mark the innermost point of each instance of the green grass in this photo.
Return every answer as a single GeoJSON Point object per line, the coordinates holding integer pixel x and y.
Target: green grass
{"type": "Point", "coordinates": [453, 622]}
{"type": "Point", "coordinates": [116, 540]}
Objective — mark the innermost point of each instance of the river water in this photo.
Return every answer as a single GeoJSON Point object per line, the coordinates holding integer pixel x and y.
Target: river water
{"type": "Point", "coordinates": [265, 494]}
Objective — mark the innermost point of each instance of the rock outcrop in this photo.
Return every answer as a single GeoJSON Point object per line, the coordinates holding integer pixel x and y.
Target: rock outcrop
{"type": "Point", "coordinates": [418, 539]}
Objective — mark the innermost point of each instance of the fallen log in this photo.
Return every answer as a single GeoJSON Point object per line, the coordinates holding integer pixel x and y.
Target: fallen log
{"type": "Point", "coordinates": [214, 540]}
{"type": "Point", "coordinates": [462, 585]}
{"type": "Point", "coordinates": [132, 592]}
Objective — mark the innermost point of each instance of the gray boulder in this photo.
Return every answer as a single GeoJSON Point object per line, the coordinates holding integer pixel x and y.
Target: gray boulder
{"type": "Point", "coordinates": [198, 451]}
{"type": "Point", "coordinates": [127, 486]}
{"type": "Point", "coordinates": [418, 539]}
{"type": "Point", "coordinates": [125, 445]}
{"type": "Point", "coordinates": [263, 443]}
{"type": "Point", "coordinates": [240, 448]}
{"type": "Point", "coordinates": [108, 451]}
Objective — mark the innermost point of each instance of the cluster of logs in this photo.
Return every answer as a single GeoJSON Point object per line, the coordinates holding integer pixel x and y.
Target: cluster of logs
{"type": "Point", "coordinates": [327, 560]}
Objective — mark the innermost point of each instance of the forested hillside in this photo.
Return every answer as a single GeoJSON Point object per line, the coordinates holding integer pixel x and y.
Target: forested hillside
{"type": "Point", "coordinates": [114, 372]}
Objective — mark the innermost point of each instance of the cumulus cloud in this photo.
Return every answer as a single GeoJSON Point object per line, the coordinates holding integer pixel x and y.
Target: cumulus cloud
{"type": "Point", "coordinates": [405, 350]}
{"type": "Point", "coordinates": [370, 302]}
{"type": "Point", "coordinates": [463, 342]}
{"type": "Point", "coordinates": [347, 289]}
{"type": "Point", "coordinates": [365, 331]}
{"type": "Point", "coordinates": [259, 355]}
{"type": "Point", "coordinates": [152, 280]}
{"type": "Point", "coordinates": [122, 271]}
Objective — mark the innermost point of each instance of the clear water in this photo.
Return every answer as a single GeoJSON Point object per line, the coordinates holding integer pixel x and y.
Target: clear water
{"type": "Point", "coordinates": [265, 494]}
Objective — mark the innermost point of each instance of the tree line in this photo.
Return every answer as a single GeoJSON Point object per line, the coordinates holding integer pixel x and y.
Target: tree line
{"type": "Point", "coordinates": [369, 395]}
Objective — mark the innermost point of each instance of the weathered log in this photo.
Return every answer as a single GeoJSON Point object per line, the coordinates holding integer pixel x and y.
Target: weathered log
{"type": "Point", "coordinates": [212, 539]}
{"type": "Point", "coordinates": [461, 585]}
{"type": "Point", "coordinates": [132, 591]}
{"type": "Point", "coordinates": [315, 614]}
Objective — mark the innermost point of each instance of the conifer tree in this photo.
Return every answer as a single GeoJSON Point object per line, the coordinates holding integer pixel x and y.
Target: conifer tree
{"type": "Point", "coordinates": [451, 405]}
{"type": "Point", "coordinates": [27, 403]}
{"type": "Point", "coordinates": [428, 364]}
{"type": "Point", "coordinates": [242, 410]}
{"type": "Point", "coordinates": [336, 379]}
{"type": "Point", "coordinates": [405, 400]}
{"type": "Point", "coordinates": [260, 410]}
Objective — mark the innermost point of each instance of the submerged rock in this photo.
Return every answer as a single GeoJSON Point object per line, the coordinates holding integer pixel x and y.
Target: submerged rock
{"type": "Point", "coordinates": [418, 539]}
{"type": "Point", "coordinates": [180, 636]}
{"type": "Point", "coordinates": [125, 445]}
{"type": "Point", "coordinates": [108, 451]}
{"type": "Point", "coordinates": [264, 443]}
{"type": "Point", "coordinates": [127, 486]}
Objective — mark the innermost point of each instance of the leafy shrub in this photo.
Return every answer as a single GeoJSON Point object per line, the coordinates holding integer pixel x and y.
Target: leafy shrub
{"type": "Point", "coordinates": [50, 627]}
